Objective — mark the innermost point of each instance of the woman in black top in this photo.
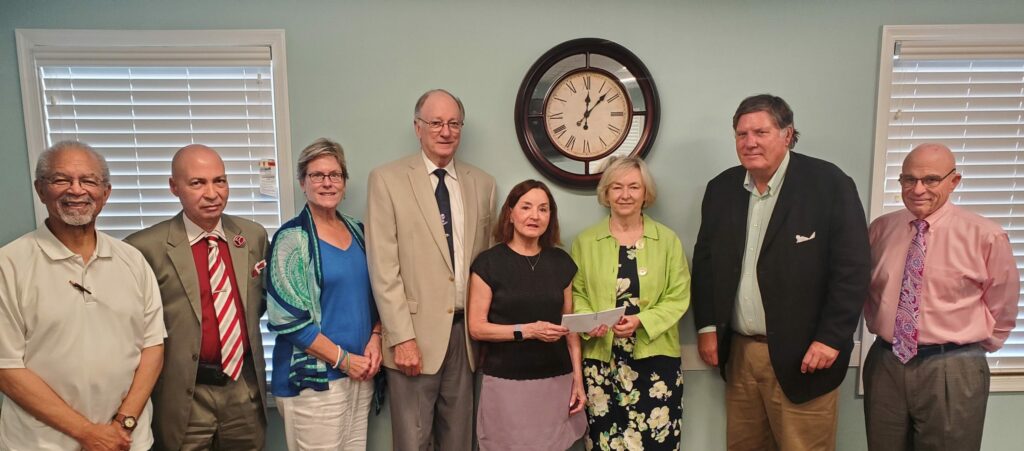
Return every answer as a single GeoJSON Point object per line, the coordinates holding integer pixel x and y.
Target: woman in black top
{"type": "Point", "coordinates": [532, 395]}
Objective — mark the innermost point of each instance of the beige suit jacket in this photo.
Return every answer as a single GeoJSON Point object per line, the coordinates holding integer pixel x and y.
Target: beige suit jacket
{"type": "Point", "coordinates": [411, 272]}
{"type": "Point", "coordinates": [165, 246]}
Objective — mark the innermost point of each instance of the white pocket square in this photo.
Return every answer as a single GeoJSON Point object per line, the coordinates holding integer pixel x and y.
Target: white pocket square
{"type": "Point", "coordinates": [801, 238]}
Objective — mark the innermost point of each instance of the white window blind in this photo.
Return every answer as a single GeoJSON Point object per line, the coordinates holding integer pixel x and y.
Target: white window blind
{"type": "Point", "coordinates": [965, 89]}
{"type": "Point", "coordinates": [139, 96]}
{"type": "Point", "coordinates": [139, 116]}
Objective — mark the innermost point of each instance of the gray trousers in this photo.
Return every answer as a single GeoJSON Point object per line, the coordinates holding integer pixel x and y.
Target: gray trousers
{"type": "Point", "coordinates": [435, 411]}
{"type": "Point", "coordinates": [931, 403]}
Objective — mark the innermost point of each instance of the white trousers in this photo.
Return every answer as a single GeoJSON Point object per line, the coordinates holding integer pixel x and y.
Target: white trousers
{"type": "Point", "coordinates": [334, 419]}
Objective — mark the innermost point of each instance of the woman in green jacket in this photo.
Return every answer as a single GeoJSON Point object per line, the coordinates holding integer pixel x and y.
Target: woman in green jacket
{"type": "Point", "coordinates": [633, 370]}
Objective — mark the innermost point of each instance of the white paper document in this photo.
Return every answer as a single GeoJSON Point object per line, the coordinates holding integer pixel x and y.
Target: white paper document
{"type": "Point", "coordinates": [268, 177]}
{"type": "Point", "coordinates": [585, 322]}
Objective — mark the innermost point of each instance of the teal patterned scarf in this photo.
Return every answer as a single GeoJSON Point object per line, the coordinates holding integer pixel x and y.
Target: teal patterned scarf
{"type": "Point", "coordinates": [294, 284]}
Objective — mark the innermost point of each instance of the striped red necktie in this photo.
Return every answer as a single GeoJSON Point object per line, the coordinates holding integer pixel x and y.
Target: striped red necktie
{"type": "Point", "coordinates": [228, 325]}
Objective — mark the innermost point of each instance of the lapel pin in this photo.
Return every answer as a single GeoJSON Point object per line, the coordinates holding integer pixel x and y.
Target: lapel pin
{"type": "Point", "coordinates": [239, 241]}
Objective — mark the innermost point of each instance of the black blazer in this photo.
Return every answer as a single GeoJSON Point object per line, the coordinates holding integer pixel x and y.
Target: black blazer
{"type": "Point", "coordinates": [811, 291]}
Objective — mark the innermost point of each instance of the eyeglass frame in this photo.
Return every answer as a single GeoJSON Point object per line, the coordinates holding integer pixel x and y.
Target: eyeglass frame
{"type": "Point", "coordinates": [61, 181]}
{"type": "Point", "coordinates": [929, 181]}
{"type": "Point", "coordinates": [437, 126]}
{"type": "Point", "coordinates": [340, 176]}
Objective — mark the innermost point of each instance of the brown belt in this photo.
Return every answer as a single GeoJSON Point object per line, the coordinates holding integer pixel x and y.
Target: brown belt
{"type": "Point", "coordinates": [757, 338]}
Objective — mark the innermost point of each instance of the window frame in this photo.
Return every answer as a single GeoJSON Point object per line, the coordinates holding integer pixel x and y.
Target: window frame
{"type": "Point", "coordinates": [30, 40]}
{"type": "Point", "coordinates": [1005, 381]}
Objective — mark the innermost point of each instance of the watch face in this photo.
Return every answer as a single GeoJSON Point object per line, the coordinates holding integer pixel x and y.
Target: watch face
{"type": "Point", "coordinates": [129, 422]}
{"type": "Point", "coordinates": [586, 114]}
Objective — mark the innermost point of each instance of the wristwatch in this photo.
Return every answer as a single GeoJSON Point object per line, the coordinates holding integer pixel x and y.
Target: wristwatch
{"type": "Point", "coordinates": [126, 422]}
{"type": "Point", "coordinates": [517, 333]}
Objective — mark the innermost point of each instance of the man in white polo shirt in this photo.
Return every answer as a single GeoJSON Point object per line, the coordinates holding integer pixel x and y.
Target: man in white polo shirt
{"type": "Point", "coordinates": [81, 322]}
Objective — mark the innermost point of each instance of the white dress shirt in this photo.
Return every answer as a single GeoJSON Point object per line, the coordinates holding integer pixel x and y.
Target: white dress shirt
{"type": "Point", "coordinates": [458, 225]}
{"type": "Point", "coordinates": [748, 316]}
{"type": "Point", "coordinates": [196, 234]}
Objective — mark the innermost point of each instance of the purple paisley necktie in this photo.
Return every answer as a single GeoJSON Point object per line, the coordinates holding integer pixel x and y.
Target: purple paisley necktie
{"type": "Point", "coordinates": [904, 337]}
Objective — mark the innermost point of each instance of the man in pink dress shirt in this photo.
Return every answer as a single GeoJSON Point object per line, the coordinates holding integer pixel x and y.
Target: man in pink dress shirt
{"type": "Point", "coordinates": [931, 391]}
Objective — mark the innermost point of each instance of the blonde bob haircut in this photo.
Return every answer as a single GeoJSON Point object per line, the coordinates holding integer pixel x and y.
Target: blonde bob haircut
{"type": "Point", "coordinates": [614, 169]}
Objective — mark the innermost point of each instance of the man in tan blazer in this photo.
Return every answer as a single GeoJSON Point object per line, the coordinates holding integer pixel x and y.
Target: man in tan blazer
{"type": "Point", "coordinates": [428, 217]}
{"type": "Point", "coordinates": [212, 392]}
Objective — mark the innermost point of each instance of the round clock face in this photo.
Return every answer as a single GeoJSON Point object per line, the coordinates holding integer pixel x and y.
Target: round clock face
{"type": "Point", "coordinates": [582, 103]}
{"type": "Point", "coordinates": [587, 114]}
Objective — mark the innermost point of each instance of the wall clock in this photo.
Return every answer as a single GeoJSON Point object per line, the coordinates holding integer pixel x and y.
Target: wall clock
{"type": "Point", "coordinates": [583, 101]}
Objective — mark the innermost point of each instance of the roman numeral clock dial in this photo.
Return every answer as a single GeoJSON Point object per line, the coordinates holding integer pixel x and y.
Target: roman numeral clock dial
{"type": "Point", "coordinates": [583, 102]}
{"type": "Point", "coordinates": [587, 115]}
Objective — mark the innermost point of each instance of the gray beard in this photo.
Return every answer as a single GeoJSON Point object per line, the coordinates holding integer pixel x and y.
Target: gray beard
{"type": "Point", "coordinates": [75, 219]}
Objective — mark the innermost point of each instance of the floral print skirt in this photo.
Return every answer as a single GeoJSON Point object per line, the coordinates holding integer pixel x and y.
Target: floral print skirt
{"type": "Point", "coordinates": [633, 404]}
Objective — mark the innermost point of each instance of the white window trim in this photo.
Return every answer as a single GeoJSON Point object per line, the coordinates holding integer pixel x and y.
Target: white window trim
{"type": "Point", "coordinates": [1002, 381]}
{"type": "Point", "coordinates": [29, 40]}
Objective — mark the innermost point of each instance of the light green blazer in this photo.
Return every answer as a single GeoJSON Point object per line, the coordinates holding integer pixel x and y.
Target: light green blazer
{"type": "Point", "coordinates": [664, 287]}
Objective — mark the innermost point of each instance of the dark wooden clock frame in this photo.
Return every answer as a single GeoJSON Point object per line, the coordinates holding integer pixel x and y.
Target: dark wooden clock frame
{"type": "Point", "coordinates": [528, 140]}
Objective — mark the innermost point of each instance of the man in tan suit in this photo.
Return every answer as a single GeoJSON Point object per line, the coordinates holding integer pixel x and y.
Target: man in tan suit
{"type": "Point", "coordinates": [428, 217]}
{"type": "Point", "coordinates": [212, 392]}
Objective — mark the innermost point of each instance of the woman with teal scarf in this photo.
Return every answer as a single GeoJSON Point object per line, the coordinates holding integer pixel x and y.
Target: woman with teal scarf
{"type": "Point", "coordinates": [320, 305]}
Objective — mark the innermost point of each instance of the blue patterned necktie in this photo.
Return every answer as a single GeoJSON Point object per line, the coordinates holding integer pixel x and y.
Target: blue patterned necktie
{"type": "Point", "coordinates": [444, 204]}
{"type": "Point", "coordinates": [904, 337]}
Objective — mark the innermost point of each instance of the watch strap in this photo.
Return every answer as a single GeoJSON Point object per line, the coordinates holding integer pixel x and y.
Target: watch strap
{"type": "Point", "coordinates": [126, 421]}
{"type": "Point", "coordinates": [517, 332]}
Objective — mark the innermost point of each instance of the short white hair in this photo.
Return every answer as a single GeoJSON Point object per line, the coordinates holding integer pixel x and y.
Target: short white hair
{"type": "Point", "coordinates": [44, 165]}
{"type": "Point", "coordinates": [615, 167]}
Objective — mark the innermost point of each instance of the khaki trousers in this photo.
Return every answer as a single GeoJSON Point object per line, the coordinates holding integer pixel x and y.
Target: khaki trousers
{"type": "Point", "coordinates": [761, 418]}
{"type": "Point", "coordinates": [227, 417]}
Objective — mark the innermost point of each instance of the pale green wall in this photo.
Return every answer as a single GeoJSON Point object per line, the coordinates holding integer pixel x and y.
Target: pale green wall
{"type": "Point", "coordinates": [355, 68]}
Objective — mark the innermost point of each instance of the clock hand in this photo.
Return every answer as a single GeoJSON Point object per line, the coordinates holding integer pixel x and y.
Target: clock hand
{"type": "Point", "coordinates": [586, 114]}
{"type": "Point", "coordinates": [586, 110]}
{"type": "Point", "coordinates": [599, 100]}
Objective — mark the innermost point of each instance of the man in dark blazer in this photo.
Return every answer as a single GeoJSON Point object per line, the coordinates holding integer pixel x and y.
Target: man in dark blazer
{"type": "Point", "coordinates": [780, 274]}
{"type": "Point", "coordinates": [207, 398]}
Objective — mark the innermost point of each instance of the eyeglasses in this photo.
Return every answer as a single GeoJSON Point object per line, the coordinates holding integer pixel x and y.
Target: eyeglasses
{"type": "Point", "coordinates": [930, 181]}
{"type": "Point", "coordinates": [64, 182]}
{"type": "Point", "coordinates": [318, 177]}
{"type": "Point", "coordinates": [435, 126]}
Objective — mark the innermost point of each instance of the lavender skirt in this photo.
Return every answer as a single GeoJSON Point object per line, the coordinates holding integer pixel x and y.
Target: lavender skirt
{"type": "Point", "coordinates": [527, 414]}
